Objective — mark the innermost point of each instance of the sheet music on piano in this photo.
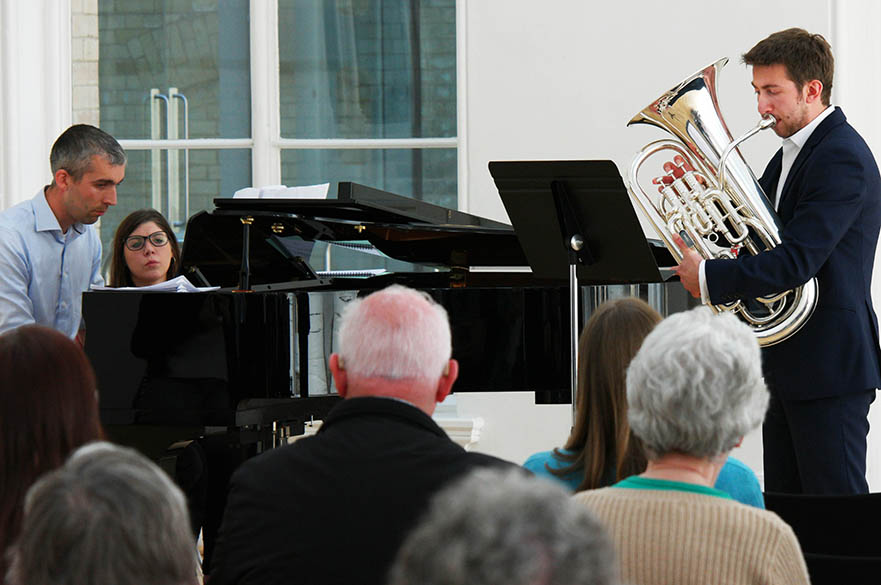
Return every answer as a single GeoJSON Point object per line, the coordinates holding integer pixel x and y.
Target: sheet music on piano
{"type": "Point", "coordinates": [177, 284]}
{"type": "Point", "coordinates": [318, 191]}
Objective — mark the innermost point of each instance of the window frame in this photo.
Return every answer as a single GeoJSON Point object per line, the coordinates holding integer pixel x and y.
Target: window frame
{"type": "Point", "coordinates": [266, 142]}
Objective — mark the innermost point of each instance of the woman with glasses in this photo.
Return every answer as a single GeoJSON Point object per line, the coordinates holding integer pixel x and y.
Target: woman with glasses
{"type": "Point", "coordinates": [145, 250]}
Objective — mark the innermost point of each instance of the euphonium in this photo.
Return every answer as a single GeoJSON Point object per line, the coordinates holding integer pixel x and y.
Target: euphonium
{"type": "Point", "coordinates": [709, 192]}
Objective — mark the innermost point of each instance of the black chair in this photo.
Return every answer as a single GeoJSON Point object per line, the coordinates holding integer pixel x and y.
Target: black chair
{"type": "Point", "coordinates": [838, 526]}
{"type": "Point", "coordinates": [840, 570]}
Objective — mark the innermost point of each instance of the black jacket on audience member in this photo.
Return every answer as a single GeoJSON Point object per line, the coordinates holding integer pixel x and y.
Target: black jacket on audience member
{"type": "Point", "coordinates": [334, 508]}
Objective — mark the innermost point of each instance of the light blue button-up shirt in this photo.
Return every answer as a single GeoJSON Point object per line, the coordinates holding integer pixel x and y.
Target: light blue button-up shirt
{"type": "Point", "coordinates": [43, 272]}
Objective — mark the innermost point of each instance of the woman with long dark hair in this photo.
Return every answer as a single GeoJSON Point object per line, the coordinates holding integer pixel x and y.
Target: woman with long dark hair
{"type": "Point", "coordinates": [145, 250]}
{"type": "Point", "coordinates": [601, 448]}
{"type": "Point", "coordinates": [50, 407]}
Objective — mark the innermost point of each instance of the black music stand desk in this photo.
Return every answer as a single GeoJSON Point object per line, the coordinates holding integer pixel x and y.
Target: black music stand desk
{"type": "Point", "coordinates": [574, 220]}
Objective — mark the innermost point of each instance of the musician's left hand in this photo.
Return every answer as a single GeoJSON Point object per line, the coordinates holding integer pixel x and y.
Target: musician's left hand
{"type": "Point", "coordinates": [688, 268]}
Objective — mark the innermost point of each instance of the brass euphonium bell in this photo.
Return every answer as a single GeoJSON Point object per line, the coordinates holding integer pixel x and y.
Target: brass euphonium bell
{"type": "Point", "coordinates": [710, 193]}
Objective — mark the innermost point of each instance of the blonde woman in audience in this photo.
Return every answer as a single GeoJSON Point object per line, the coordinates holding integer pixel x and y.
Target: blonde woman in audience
{"type": "Point", "coordinates": [50, 407]}
{"type": "Point", "coordinates": [601, 448]}
{"type": "Point", "coordinates": [694, 389]}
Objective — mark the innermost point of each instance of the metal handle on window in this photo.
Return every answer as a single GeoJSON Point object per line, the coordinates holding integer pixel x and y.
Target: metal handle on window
{"type": "Point", "coordinates": [174, 93]}
{"type": "Point", "coordinates": [155, 153]}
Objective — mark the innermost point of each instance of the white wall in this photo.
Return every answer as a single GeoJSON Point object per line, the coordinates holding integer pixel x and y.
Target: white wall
{"type": "Point", "coordinates": [857, 87]}
{"type": "Point", "coordinates": [35, 92]}
{"type": "Point", "coordinates": [560, 80]}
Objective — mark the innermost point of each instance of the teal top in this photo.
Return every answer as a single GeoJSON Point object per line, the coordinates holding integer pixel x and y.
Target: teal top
{"type": "Point", "coordinates": [636, 482]}
{"type": "Point", "coordinates": [736, 479]}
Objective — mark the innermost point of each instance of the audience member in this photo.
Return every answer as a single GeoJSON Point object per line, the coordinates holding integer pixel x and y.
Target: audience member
{"type": "Point", "coordinates": [49, 253]}
{"type": "Point", "coordinates": [108, 516]}
{"type": "Point", "coordinates": [145, 250]}
{"type": "Point", "coordinates": [694, 389]}
{"type": "Point", "coordinates": [505, 527]}
{"type": "Point", "coordinates": [335, 507]}
{"type": "Point", "coordinates": [50, 407]}
{"type": "Point", "coordinates": [601, 448]}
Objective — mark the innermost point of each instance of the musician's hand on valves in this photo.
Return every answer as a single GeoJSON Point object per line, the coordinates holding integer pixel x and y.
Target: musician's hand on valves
{"type": "Point", "coordinates": [674, 170]}
{"type": "Point", "coordinates": [688, 268]}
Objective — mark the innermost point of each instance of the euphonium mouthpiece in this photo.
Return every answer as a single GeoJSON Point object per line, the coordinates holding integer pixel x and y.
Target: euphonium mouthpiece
{"type": "Point", "coordinates": [768, 121]}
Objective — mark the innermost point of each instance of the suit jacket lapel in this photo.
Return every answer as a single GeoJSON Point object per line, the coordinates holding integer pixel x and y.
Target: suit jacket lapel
{"type": "Point", "coordinates": [834, 119]}
{"type": "Point", "coordinates": [769, 179]}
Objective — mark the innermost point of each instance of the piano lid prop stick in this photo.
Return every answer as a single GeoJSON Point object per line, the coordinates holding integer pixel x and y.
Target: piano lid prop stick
{"type": "Point", "coordinates": [245, 271]}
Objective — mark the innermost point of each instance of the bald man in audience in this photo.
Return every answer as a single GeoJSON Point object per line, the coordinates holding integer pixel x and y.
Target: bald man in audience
{"type": "Point", "coordinates": [334, 508]}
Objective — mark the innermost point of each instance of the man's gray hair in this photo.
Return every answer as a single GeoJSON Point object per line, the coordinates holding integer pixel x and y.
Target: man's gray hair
{"type": "Point", "coordinates": [74, 149]}
{"type": "Point", "coordinates": [506, 527]}
{"type": "Point", "coordinates": [107, 516]}
{"type": "Point", "coordinates": [695, 386]}
{"type": "Point", "coordinates": [395, 333]}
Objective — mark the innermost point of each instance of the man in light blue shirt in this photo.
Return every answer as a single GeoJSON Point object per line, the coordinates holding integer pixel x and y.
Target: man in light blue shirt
{"type": "Point", "coordinates": [49, 252]}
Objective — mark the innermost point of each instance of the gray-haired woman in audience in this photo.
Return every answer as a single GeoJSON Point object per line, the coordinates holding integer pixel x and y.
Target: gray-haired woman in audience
{"type": "Point", "coordinates": [694, 390]}
{"type": "Point", "coordinates": [108, 516]}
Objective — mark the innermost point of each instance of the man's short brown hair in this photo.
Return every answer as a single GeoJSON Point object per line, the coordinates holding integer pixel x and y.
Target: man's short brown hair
{"type": "Point", "coordinates": [806, 57]}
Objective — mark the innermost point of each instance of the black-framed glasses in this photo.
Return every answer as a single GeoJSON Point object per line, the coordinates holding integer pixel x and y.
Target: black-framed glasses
{"type": "Point", "coordinates": [135, 243]}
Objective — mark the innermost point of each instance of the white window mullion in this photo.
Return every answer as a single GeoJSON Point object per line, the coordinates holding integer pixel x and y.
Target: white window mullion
{"type": "Point", "coordinates": [265, 101]}
{"type": "Point", "coordinates": [191, 144]}
{"type": "Point", "coordinates": [292, 143]}
{"type": "Point", "coordinates": [462, 103]}
{"type": "Point", "coordinates": [366, 143]}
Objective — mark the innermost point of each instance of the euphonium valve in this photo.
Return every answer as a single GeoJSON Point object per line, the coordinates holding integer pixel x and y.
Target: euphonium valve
{"type": "Point", "coordinates": [705, 189]}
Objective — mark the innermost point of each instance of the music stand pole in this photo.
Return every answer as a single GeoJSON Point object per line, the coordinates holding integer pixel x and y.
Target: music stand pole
{"type": "Point", "coordinates": [572, 230]}
{"type": "Point", "coordinates": [576, 243]}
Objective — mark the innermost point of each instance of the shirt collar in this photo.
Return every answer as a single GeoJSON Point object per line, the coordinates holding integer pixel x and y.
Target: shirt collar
{"type": "Point", "coordinates": [44, 217]}
{"type": "Point", "coordinates": [800, 138]}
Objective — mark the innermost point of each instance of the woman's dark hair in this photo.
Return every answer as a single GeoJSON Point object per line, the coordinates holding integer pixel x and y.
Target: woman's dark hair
{"type": "Point", "coordinates": [120, 275]}
{"type": "Point", "coordinates": [50, 407]}
{"type": "Point", "coordinates": [601, 443]}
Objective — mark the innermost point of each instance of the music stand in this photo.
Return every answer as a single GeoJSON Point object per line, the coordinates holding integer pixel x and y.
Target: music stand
{"type": "Point", "coordinates": [574, 220]}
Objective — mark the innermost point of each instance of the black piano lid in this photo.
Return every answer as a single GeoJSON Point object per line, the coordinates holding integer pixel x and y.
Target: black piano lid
{"type": "Point", "coordinates": [283, 229]}
{"type": "Point", "coordinates": [358, 203]}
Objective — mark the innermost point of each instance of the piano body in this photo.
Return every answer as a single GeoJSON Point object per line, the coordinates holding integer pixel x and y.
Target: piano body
{"type": "Point", "coordinates": [233, 372]}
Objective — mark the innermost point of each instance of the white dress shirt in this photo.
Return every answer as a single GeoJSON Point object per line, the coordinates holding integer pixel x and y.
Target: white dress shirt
{"type": "Point", "coordinates": [791, 147]}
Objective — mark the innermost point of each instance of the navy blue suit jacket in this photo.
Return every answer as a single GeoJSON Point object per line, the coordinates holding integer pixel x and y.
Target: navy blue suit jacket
{"type": "Point", "coordinates": [830, 209]}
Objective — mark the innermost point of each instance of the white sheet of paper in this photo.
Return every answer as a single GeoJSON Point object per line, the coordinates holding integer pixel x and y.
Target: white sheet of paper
{"type": "Point", "coordinates": [283, 192]}
{"type": "Point", "coordinates": [177, 284]}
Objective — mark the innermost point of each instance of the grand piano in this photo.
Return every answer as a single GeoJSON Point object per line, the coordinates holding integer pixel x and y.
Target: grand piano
{"type": "Point", "coordinates": [202, 381]}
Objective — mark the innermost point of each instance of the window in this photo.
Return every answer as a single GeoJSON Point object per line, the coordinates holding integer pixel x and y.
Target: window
{"type": "Point", "coordinates": [365, 92]}
{"type": "Point", "coordinates": [175, 71]}
{"type": "Point", "coordinates": [370, 70]}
